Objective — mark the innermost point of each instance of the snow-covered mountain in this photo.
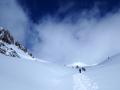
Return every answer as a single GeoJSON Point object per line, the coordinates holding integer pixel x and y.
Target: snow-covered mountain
{"type": "Point", "coordinates": [19, 70]}
{"type": "Point", "coordinates": [106, 74]}
{"type": "Point", "coordinates": [10, 47]}
{"type": "Point", "coordinates": [23, 74]}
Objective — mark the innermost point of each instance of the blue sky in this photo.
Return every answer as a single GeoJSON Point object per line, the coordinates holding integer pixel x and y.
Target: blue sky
{"type": "Point", "coordinates": [36, 9]}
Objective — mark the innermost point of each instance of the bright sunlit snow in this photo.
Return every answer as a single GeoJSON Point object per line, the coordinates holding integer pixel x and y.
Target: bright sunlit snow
{"type": "Point", "coordinates": [21, 74]}
{"type": "Point", "coordinates": [24, 74]}
{"type": "Point", "coordinates": [77, 64]}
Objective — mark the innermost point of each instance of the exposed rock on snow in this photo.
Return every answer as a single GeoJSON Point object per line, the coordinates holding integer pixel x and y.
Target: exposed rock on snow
{"type": "Point", "coordinates": [5, 36]}
{"type": "Point", "coordinates": [10, 47]}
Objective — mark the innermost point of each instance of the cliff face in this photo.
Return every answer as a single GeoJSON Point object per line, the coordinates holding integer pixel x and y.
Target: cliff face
{"type": "Point", "coordinates": [6, 37]}
{"type": "Point", "coordinates": [9, 46]}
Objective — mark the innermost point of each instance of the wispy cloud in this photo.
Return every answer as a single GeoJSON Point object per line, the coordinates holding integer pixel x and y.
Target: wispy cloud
{"type": "Point", "coordinates": [87, 38]}
{"type": "Point", "coordinates": [13, 18]}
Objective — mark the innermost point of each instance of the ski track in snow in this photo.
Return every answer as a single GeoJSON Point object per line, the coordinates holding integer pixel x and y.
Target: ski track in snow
{"type": "Point", "coordinates": [82, 82]}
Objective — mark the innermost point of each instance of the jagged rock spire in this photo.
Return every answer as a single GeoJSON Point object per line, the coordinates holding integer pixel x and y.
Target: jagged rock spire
{"type": "Point", "coordinates": [5, 36]}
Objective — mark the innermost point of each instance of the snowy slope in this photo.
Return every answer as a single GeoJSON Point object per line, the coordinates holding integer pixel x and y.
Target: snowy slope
{"type": "Point", "coordinates": [101, 76]}
{"type": "Point", "coordinates": [17, 74]}
{"type": "Point", "coordinates": [77, 64]}
{"type": "Point", "coordinates": [24, 74]}
{"type": "Point", "coordinates": [106, 74]}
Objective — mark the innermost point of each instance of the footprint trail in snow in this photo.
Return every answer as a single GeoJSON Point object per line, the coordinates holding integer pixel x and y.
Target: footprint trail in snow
{"type": "Point", "coordinates": [82, 82]}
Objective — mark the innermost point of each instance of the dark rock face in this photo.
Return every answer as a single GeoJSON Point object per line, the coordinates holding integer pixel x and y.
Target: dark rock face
{"type": "Point", "coordinates": [20, 46]}
{"type": "Point", "coordinates": [7, 51]}
{"type": "Point", "coordinates": [7, 38]}
{"type": "Point", "coordinates": [2, 51]}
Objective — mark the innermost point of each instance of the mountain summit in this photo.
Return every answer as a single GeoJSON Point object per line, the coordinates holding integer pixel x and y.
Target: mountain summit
{"type": "Point", "coordinates": [10, 47]}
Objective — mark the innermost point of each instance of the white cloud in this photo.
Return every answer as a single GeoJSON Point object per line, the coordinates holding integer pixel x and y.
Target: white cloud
{"type": "Point", "coordinates": [87, 39]}
{"type": "Point", "coordinates": [13, 18]}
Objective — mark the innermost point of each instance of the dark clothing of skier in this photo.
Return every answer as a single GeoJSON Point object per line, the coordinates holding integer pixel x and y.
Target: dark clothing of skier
{"type": "Point", "coordinates": [79, 70]}
{"type": "Point", "coordinates": [83, 69]}
{"type": "Point", "coordinates": [77, 66]}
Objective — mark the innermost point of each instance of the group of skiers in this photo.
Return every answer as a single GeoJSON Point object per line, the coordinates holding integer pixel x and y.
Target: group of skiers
{"type": "Point", "coordinates": [80, 69]}
{"type": "Point", "coordinates": [83, 68]}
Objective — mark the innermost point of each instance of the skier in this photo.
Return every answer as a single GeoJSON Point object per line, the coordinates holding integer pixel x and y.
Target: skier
{"type": "Point", "coordinates": [77, 66]}
{"type": "Point", "coordinates": [79, 70]}
{"type": "Point", "coordinates": [83, 69]}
